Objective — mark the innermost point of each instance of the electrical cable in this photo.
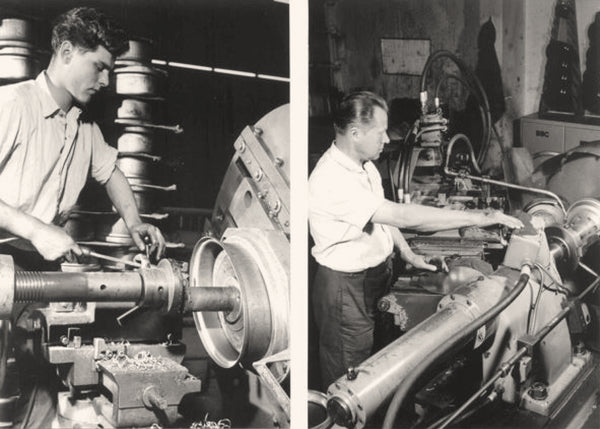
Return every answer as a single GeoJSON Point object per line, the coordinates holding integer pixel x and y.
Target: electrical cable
{"type": "Point", "coordinates": [474, 86]}
{"type": "Point", "coordinates": [505, 368]}
{"type": "Point", "coordinates": [430, 130]}
{"type": "Point", "coordinates": [465, 139]}
{"type": "Point", "coordinates": [532, 316]}
{"type": "Point", "coordinates": [463, 416]}
{"type": "Point", "coordinates": [30, 404]}
{"type": "Point", "coordinates": [503, 371]}
{"type": "Point", "coordinates": [480, 102]}
{"type": "Point", "coordinates": [406, 179]}
{"type": "Point", "coordinates": [4, 352]}
{"type": "Point", "coordinates": [559, 286]}
{"type": "Point", "coordinates": [401, 164]}
{"type": "Point", "coordinates": [392, 184]}
{"type": "Point", "coordinates": [408, 383]}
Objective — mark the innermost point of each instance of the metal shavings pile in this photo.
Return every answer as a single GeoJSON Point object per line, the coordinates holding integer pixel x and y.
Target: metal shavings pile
{"type": "Point", "coordinates": [207, 424]}
{"type": "Point", "coordinates": [142, 361]}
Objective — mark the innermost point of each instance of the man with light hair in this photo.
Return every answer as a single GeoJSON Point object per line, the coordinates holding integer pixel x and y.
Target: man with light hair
{"type": "Point", "coordinates": [355, 229]}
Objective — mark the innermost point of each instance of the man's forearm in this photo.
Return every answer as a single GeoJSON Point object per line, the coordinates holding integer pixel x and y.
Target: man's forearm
{"type": "Point", "coordinates": [120, 194]}
{"type": "Point", "coordinates": [399, 240]}
{"type": "Point", "coordinates": [427, 219]}
{"type": "Point", "coordinates": [17, 222]}
{"type": "Point", "coordinates": [406, 253]}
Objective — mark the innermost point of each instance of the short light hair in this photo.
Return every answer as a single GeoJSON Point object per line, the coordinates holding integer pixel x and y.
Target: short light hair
{"type": "Point", "coordinates": [88, 28]}
{"type": "Point", "coordinates": [357, 108]}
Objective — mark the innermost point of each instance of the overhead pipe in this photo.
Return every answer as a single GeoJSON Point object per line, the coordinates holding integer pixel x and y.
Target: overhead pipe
{"type": "Point", "coordinates": [209, 69]}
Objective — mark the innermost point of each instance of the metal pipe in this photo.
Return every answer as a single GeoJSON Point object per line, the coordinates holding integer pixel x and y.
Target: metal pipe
{"type": "Point", "coordinates": [213, 298]}
{"type": "Point", "coordinates": [148, 286]}
{"type": "Point", "coordinates": [354, 399]}
{"type": "Point", "coordinates": [111, 258]}
{"type": "Point", "coordinates": [449, 343]}
{"type": "Point", "coordinates": [501, 372]}
{"type": "Point", "coordinates": [506, 367]}
{"type": "Point", "coordinates": [351, 402]}
{"type": "Point", "coordinates": [507, 185]}
{"type": "Point", "coordinates": [4, 348]}
{"type": "Point", "coordinates": [197, 67]}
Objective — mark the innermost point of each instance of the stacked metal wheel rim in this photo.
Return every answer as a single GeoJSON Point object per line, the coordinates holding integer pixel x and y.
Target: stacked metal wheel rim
{"type": "Point", "coordinates": [19, 58]}
{"type": "Point", "coordinates": [140, 89]}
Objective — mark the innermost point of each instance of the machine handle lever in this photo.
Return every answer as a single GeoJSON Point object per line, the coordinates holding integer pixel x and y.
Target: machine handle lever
{"type": "Point", "coordinates": [126, 314]}
{"type": "Point", "coordinates": [88, 252]}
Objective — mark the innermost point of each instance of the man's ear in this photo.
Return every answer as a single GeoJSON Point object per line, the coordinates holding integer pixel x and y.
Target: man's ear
{"type": "Point", "coordinates": [65, 51]}
{"type": "Point", "coordinates": [354, 131]}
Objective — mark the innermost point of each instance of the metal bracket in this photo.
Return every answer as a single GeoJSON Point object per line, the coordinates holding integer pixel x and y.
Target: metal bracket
{"type": "Point", "coordinates": [268, 379]}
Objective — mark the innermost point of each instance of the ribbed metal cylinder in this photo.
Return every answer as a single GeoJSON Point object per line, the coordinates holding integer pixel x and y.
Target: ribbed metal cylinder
{"type": "Point", "coordinates": [29, 286]}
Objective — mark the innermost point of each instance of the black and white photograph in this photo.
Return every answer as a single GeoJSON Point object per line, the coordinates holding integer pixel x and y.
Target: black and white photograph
{"type": "Point", "coordinates": [453, 214]}
{"type": "Point", "coordinates": [299, 214]}
{"type": "Point", "coordinates": [144, 214]}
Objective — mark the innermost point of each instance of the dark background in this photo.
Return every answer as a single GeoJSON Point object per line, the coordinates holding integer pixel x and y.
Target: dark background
{"type": "Point", "coordinates": [249, 35]}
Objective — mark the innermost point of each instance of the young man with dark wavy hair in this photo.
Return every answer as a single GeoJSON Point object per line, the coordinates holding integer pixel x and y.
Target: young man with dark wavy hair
{"type": "Point", "coordinates": [48, 148]}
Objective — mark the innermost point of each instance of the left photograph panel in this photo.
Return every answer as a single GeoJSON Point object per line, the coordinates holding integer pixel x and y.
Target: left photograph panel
{"type": "Point", "coordinates": [144, 214]}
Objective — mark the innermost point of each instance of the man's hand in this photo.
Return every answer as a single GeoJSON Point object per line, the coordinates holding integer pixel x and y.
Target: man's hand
{"type": "Point", "coordinates": [495, 217]}
{"type": "Point", "coordinates": [157, 241]}
{"type": "Point", "coordinates": [52, 242]}
{"type": "Point", "coordinates": [429, 263]}
{"type": "Point", "coordinates": [121, 196]}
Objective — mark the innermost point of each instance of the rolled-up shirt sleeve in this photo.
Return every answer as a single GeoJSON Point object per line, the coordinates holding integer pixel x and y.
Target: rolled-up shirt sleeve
{"type": "Point", "coordinates": [104, 157]}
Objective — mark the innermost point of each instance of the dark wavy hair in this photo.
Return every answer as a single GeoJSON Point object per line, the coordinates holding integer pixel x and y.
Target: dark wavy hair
{"type": "Point", "coordinates": [357, 108]}
{"type": "Point", "coordinates": [88, 28]}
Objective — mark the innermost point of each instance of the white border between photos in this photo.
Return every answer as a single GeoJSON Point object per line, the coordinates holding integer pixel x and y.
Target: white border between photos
{"type": "Point", "coordinates": [299, 210]}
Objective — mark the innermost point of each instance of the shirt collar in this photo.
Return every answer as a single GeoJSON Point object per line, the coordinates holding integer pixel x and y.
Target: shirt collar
{"type": "Point", "coordinates": [49, 105]}
{"type": "Point", "coordinates": [344, 160]}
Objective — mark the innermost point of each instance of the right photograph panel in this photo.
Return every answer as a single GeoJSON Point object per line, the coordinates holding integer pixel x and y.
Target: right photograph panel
{"type": "Point", "coordinates": [454, 214]}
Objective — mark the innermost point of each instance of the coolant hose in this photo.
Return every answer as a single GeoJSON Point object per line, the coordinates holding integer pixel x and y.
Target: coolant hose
{"type": "Point", "coordinates": [408, 383]}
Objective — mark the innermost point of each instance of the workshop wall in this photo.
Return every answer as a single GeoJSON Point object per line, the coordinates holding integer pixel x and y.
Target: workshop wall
{"type": "Point", "coordinates": [212, 108]}
{"type": "Point", "coordinates": [360, 26]}
{"type": "Point", "coordinates": [352, 31]}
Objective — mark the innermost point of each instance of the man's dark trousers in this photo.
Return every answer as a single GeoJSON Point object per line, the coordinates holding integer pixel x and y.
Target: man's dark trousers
{"type": "Point", "coordinates": [344, 306]}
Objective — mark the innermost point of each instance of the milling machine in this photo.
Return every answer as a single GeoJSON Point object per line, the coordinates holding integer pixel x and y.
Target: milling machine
{"type": "Point", "coordinates": [114, 337]}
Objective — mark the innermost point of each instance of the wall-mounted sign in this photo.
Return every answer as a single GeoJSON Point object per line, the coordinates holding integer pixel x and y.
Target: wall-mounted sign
{"type": "Point", "coordinates": [404, 56]}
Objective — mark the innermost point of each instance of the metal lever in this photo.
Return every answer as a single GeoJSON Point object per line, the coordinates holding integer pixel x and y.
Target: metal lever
{"type": "Point", "coordinates": [177, 129]}
{"type": "Point", "coordinates": [147, 244]}
{"type": "Point", "coordinates": [160, 188]}
{"type": "Point", "coordinates": [127, 313]}
{"type": "Point", "coordinates": [87, 252]}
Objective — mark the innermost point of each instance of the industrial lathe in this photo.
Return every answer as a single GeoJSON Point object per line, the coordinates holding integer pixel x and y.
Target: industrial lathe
{"type": "Point", "coordinates": [514, 335]}
{"type": "Point", "coordinates": [114, 337]}
{"type": "Point", "coordinates": [509, 337]}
